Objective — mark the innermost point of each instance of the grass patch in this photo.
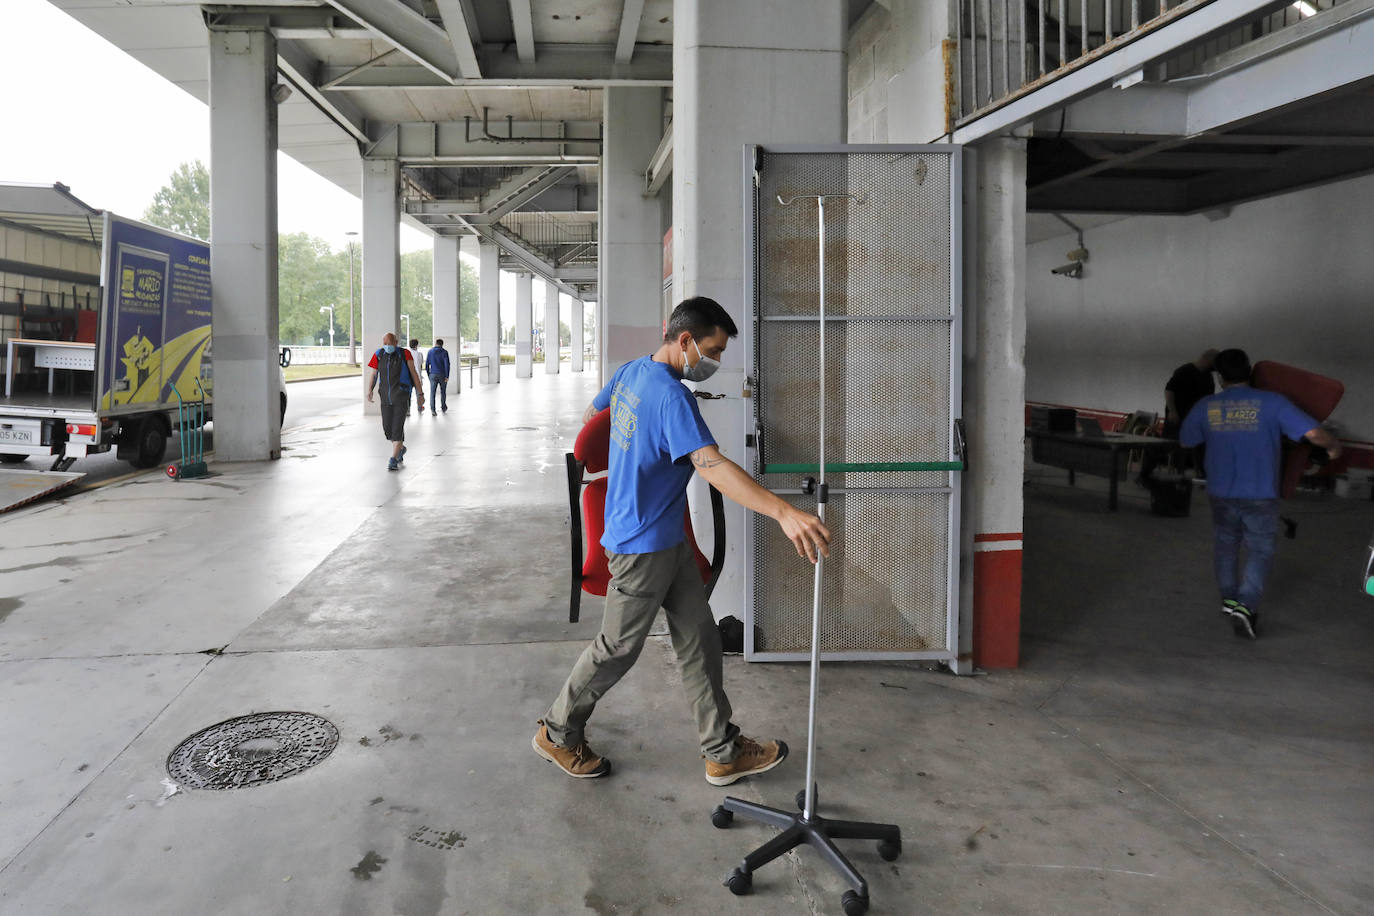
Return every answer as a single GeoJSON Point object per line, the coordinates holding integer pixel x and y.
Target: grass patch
{"type": "Point", "coordinates": [326, 370]}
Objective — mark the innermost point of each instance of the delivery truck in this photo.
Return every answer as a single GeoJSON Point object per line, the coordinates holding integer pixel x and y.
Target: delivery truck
{"type": "Point", "coordinates": [109, 377]}
{"type": "Point", "coordinates": [89, 380]}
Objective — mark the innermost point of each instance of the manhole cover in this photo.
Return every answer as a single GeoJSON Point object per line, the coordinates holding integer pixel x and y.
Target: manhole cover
{"type": "Point", "coordinates": [252, 750]}
{"type": "Point", "coordinates": [522, 428]}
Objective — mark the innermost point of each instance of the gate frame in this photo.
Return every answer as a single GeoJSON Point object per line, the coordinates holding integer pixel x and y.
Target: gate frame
{"type": "Point", "coordinates": [956, 629]}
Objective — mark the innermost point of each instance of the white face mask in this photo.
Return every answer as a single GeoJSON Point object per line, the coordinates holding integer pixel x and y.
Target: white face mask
{"type": "Point", "coordinates": [704, 369]}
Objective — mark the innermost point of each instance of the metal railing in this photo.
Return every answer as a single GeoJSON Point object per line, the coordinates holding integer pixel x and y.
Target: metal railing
{"type": "Point", "coordinates": [1007, 48]}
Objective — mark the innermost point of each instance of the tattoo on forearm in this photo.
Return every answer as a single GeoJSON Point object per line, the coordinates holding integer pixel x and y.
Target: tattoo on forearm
{"type": "Point", "coordinates": [703, 459]}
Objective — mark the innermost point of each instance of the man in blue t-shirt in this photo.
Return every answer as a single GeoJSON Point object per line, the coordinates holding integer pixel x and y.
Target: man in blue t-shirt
{"type": "Point", "coordinates": [658, 440]}
{"type": "Point", "coordinates": [1241, 428]}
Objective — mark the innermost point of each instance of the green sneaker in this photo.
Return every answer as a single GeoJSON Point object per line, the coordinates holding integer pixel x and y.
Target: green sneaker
{"type": "Point", "coordinates": [1243, 620]}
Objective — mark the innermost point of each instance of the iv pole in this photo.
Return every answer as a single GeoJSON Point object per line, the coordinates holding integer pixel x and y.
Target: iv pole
{"type": "Point", "coordinates": [809, 827]}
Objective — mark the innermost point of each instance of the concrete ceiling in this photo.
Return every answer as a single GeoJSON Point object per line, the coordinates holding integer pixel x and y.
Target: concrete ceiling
{"type": "Point", "coordinates": [366, 72]}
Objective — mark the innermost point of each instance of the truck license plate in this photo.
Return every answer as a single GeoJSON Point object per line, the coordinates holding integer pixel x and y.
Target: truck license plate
{"type": "Point", "coordinates": [17, 435]}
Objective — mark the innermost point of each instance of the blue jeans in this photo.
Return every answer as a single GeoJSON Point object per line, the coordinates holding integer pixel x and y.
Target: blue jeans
{"type": "Point", "coordinates": [1252, 524]}
{"type": "Point", "coordinates": [440, 386]}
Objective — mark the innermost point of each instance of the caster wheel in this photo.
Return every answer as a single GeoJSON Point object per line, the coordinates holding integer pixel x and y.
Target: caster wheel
{"type": "Point", "coordinates": [173, 471]}
{"type": "Point", "coordinates": [853, 904]}
{"type": "Point", "coordinates": [801, 799]}
{"type": "Point", "coordinates": [740, 882]}
{"type": "Point", "coordinates": [890, 849]}
{"type": "Point", "coordinates": [721, 818]}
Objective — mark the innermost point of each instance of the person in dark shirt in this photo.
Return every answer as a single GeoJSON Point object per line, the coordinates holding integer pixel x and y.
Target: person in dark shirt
{"type": "Point", "coordinates": [1190, 383]}
{"type": "Point", "coordinates": [1241, 428]}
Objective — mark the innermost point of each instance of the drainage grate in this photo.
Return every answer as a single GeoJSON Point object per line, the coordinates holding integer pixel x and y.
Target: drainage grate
{"type": "Point", "coordinates": [522, 428]}
{"type": "Point", "coordinates": [252, 750]}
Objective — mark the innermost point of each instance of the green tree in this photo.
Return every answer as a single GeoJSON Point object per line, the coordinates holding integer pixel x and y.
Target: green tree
{"type": "Point", "coordinates": [183, 204]}
{"type": "Point", "coordinates": [417, 295]}
{"type": "Point", "coordinates": [310, 275]}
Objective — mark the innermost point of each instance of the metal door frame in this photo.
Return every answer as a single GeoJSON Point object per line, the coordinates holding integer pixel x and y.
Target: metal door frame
{"type": "Point", "coordinates": [953, 483]}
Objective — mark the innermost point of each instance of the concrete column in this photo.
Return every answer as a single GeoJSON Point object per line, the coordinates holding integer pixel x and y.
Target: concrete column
{"type": "Point", "coordinates": [524, 325]}
{"type": "Point", "coordinates": [446, 280]}
{"type": "Point", "coordinates": [739, 77]}
{"type": "Point", "coordinates": [489, 311]}
{"type": "Point", "coordinates": [243, 254]}
{"type": "Point", "coordinates": [994, 402]}
{"type": "Point", "coordinates": [381, 261]}
{"type": "Point", "coordinates": [552, 334]}
{"type": "Point", "coordinates": [577, 317]}
{"type": "Point", "coordinates": [630, 257]}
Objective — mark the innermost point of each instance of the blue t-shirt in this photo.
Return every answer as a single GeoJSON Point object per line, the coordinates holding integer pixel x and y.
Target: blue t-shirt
{"type": "Point", "coordinates": [1241, 426]}
{"type": "Point", "coordinates": [655, 425]}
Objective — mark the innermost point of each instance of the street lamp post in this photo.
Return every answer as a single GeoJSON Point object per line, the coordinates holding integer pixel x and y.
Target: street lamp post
{"type": "Point", "coordinates": [330, 310]}
{"type": "Point", "coordinates": [406, 319]}
{"type": "Point", "coordinates": [352, 342]}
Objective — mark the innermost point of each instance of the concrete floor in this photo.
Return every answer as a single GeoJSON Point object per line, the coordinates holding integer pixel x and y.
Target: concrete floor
{"type": "Point", "coordinates": [1142, 760]}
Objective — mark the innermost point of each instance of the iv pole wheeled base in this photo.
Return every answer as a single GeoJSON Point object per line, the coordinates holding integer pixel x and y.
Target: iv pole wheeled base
{"type": "Point", "coordinates": [818, 833]}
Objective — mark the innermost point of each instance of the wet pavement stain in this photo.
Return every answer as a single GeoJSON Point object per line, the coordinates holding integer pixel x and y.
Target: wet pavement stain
{"type": "Point", "coordinates": [369, 866]}
{"type": "Point", "coordinates": [9, 606]}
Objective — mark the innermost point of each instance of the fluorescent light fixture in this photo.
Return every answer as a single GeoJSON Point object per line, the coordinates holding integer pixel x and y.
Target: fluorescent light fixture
{"type": "Point", "coordinates": [1307, 9]}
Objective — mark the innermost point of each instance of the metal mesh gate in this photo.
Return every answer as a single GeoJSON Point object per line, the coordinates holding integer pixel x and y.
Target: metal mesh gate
{"type": "Point", "coordinates": [892, 390]}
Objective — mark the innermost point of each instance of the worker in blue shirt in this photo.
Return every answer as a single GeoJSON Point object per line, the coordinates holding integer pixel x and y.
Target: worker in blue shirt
{"type": "Point", "coordinates": [1241, 427]}
{"type": "Point", "coordinates": [658, 440]}
{"type": "Point", "coordinates": [437, 365]}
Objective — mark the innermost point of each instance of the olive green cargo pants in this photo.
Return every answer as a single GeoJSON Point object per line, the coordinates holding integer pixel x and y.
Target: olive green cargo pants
{"type": "Point", "coordinates": [641, 583]}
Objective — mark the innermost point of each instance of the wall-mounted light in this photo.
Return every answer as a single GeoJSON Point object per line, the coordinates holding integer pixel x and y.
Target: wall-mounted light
{"type": "Point", "coordinates": [280, 93]}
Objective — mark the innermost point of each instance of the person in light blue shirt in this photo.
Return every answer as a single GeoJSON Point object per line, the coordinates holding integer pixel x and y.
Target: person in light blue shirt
{"type": "Point", "coordinates": [657, 441]}
{"type": "Point", "coordinates": [1241, 427]}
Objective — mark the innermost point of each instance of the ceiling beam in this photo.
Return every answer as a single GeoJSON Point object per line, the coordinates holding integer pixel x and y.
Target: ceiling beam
{"type": "Point", "coordinates": [298, 67]}
{"type": "Point", "coordinates": [457, 143]}
{"type": "Point", "coordinates": [416, 37]}
{"type": "Point", "coordinates": [522, 21]}
{"type": "Point", "coordinates": [460, 21]}
{"type": "Point", "coordinates": [660, 164]}
{"type": "Point", "coordinates": [286, 22]}
{"type": "Point", "coordinates": [630, 16]}
{"type": "Point", "coordinates": [590, 66]}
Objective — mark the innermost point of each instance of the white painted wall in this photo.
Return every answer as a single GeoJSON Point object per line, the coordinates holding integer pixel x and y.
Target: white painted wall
{"type": "Point", "coordinates": [1288, 278]}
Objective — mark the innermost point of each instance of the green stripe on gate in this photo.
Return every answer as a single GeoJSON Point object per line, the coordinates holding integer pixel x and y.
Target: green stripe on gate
{"type": "Point", "coordinates": [865, 466]}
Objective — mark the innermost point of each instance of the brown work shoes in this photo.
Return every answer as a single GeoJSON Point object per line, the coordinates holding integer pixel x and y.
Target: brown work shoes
{"type": "Point", "coordinates": [752, 758]}
{"type": "Point", "coordinates": [580, 762]}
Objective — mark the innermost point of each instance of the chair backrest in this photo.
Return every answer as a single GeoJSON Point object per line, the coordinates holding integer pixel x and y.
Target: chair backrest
{"type": "Point", "coordinates": [1140, 423]}
{"type": "Point", "coordinates": [86, 322]}
{"type": "Point", "coordinates": [592, 448]}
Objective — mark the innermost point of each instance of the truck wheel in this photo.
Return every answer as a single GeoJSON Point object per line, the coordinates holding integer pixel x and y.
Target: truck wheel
{"type": "Point", "coordinates": [12, 459]}
{"type": "Point", "coordinates": [151, 443]}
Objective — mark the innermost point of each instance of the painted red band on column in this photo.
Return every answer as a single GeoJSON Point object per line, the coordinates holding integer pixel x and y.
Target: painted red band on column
{"type": "Point", "coordinates": [997, 600]}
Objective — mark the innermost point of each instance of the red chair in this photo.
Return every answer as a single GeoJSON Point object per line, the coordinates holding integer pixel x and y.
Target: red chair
{"type": "Point", "coordinates": [590, 573]}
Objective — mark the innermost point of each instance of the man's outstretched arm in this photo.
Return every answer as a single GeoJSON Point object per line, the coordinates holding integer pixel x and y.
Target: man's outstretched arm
{"type": "Point", "coordinates": [806, 532]}
{"type": "Point", "coordinates": [1323, 439]}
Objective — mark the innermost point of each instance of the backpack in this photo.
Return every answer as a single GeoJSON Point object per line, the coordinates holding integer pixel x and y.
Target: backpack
{"type": "Point", "coordinates": [393, 378]}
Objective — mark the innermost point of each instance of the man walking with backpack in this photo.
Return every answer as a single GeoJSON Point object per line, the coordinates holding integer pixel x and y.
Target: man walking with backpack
{"type": "Point", "coordinates": [437, 365]}
{"type": "Point", "coordinates": [394, 369]}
